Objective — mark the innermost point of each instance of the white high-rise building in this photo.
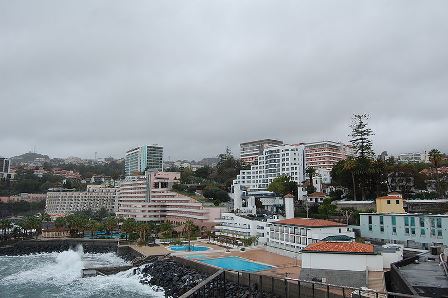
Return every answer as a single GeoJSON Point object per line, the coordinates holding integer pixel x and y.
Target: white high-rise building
{"type": "Point", "coordinates": [325, 154]}
{"type": "Point", "coordinates": [140, 159]}
{"type": "Point", "coordinates": [249, 151]}
{"type": "Point", "coordinates": [275, 161]}
{"type": "Point", "coordinates": [4, 167]}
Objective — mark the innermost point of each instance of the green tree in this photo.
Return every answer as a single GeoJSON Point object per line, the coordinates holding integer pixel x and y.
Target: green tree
{"type": "Point", "coordinates": [129, 226]}
{"type": "Point", "coordinates": [110, 223]}
{"type": "Point", "coordinates": [283, 185]}
{"type": "Point", "coordinates": [435, 157]}
{"type": "Point", "coordinates": [311, 173]}
{"type": "Point", "coordinates": [326, 208]}
{"type": "Point", "coordinates": [166, 229]}
{"type": "Point", "coordinates": [190, 230]}
{"type": "Point", "coordinates": [363, 148]}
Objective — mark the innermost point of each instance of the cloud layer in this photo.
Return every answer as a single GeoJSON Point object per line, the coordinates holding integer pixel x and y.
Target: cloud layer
{"type": "Point", "coordinates": [196, 76]}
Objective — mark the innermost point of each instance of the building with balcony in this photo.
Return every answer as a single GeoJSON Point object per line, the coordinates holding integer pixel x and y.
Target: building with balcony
{"type": "Point", "coordinates": [150, 197]}
{"type": "Point", "coordinates": [411, 230]}
{"type": "Point", "coordinates": [140, 159]}
{"type": "Point", "coordinates": [325, 154]}
{"type": "Point", "coordinates": [414, 157]}
{"type": "Point", "coordinates": [275, 161]}
{"type": "Point", "coordinates": [61, 202]}
{"type": "Point", "coordinates": [290, 236]}
{"type": "Point", "coordinates": [249, 151]}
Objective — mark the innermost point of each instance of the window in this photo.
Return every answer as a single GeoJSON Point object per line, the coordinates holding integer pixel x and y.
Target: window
{"type": "Point", "coordinates": [413, 231]}
{"type": "Point", "coordinates": [422, 222]}
{"type": "Point", "coordinates": [388, 202]}
{"type": "Point", "coordinates": [382, 229]}
{"type": "Point", "coordinates": [422, 232]}
{"type": "Point", "coordinates": [406, 231]}
{"type": "Point", "coordinates": [370, 219]}
{"type": "Point", "coordinates": [381, 220]}
{"type": "Point", "coordinates": [397, 202]}
{"type": "Point", "coordinates": [406, 221]}
{"type": "Point", "coordinates": [439, 223]}
{"type": "Point", "coordinates": [370, 227]}
{"type": "Point", "coordinates": [394, 220]}
{"type": "Point", "coordinates": [439, 233]}
{"type": "Point", "coordinates": [412, 221]}
{"type": "Point", "coordinates": [394, 230]}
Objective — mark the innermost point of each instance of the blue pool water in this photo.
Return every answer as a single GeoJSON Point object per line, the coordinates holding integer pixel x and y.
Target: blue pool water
{"type": "Point", "coordinates": [185, 248]}
{"type": "Point", "coordinates": [236, 264]}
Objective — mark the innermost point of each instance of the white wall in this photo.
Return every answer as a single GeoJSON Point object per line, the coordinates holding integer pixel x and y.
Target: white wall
{"type": "Point", "coordinates": [351, 262]}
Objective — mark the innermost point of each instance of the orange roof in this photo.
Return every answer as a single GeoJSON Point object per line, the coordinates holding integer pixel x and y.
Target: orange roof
{"type": "Point", "coordinates": [317, 194]}
{"type": "Point", "coordinates": [309, 222]}
{"type": "Point", "coordinates": [340, 247]}
{"type": "Point", "coordinates": [389, 198]}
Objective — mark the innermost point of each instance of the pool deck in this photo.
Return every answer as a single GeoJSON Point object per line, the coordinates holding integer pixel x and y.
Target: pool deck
{"type": "Point", "coordinates": [283, 266]}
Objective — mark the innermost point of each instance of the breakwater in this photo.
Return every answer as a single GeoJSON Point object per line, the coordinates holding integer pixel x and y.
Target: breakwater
{"type": "Point", "coordinates": [26, 247]}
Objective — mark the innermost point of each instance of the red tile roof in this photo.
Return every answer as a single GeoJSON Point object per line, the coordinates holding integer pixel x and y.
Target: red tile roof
{"type": "Point", "coordinates": [340, 247]}
{"type": "Point", "coordinates": [309, 222]}
{"type": "Point", "coordinates": [389, 198]}
{"type": "Point", "coordinates": [317, 194]}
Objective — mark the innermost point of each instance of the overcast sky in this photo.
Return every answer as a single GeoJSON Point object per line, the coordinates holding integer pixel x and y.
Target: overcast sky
{"type": "Point", "coordinates": [79, 77]}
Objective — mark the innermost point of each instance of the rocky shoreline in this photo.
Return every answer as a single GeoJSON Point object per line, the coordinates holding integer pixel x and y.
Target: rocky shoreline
{"type": "Point", "coordinates": [176, 279]}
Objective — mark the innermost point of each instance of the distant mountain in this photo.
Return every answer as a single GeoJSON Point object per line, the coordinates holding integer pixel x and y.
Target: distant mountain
{"type": "Point", "coordinates": [209, 161]}
{"type": "Point", "coordinates": [29, 157]}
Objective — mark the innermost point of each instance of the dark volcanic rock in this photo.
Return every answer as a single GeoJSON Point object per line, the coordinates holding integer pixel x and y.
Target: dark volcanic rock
{"type": "Point", "coordinates": [176, 279]}
{"type": "Point", "coordinates": [173, 277]}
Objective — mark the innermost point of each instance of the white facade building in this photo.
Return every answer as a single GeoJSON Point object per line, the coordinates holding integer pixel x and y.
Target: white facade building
{"type": "Point", "coordinates": [288, 237]}
{"type": "Point", "coordinates": [415, 157]}
{"type": "Point", "coordinates": [276, 161]}
{"type": "Point", "coordinates": [61, 203]}
{"type": "Point", "coordinates": [410, 229]}
{"type": "Point", "coordinates": [4, 168]}
{"type": "Point", "coordinates": [249, 151]}
{"type": "Point", "coordinates": [325, 154]}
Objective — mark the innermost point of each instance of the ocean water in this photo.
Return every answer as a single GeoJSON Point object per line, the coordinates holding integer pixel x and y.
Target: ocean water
{"type": "Point", "coordinates": [59, 275]}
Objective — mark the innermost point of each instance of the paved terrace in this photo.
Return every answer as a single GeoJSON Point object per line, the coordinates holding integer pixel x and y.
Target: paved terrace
{"type": "Point", "coordinates": [428, 277]}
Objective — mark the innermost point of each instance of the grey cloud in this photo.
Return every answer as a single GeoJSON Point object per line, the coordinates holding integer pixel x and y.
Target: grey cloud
{"type": "Point", "coordinates": [78, 77]}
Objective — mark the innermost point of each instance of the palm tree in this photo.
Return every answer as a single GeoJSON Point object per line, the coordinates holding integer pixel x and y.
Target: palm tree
{"type": "Point", "coordinates": [5, 224]}
{"type": "Point", "coordinates": [110, 223]}
{"type": "Point", "coordinates": [142, 228]}
{"type": "Point", "coordinates": [188, 231]}
{"type": "Point", "coordinates": [152, 230]}
{"type": "Point", "coordinates": [167, 229]}
{"type": "Point", "coordinates": [92, 225]}
{"type": "Point", "coordinates": [311, 172]}
{"type": "Point", "coordinates": [128, 226]}
{"type": "Point", "coordinates": [435, 157]}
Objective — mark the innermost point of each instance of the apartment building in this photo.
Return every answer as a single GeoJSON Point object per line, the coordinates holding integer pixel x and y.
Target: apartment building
{"type": "Point", "coordinates": [4, 168]}
{"type": "Point", "coordinates": [288, 237]}
{"type": "Point", "coordinates": [286, 160]}
{"type": "Point", "coordinates": [63, 202]}
{"type": "Point", "coordinates": [414, 157]}
{"type": "Point", "coordinates": [140, 159]}
{"type": "Point", "coordinates": [249, 151]}
{"type": "Point", "coordinates": [150, 198]}
{"type": "Point", "coordinates": [410, 229]}
{"type": "Point", "coordinates": [325, 154]}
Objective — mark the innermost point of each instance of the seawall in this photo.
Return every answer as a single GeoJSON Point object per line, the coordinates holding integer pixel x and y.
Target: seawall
{"type": "Point", "coordinates": [57, 245]}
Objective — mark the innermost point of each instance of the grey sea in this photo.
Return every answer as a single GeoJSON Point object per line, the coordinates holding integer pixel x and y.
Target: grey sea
{"type": "Point", "coordinates": [59, 275]}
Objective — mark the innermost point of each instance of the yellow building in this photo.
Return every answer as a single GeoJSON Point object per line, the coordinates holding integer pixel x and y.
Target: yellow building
{"type": "Point", "coordinates": [392, 203]}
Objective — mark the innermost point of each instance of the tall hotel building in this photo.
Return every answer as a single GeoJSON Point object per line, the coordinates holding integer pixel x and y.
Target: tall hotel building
{"type": "Point", "coordinates": [250, 151]}
{"type": "Point", "coordinates": [140, 159]}
{"type": "Point", "coordinates": [149, 198]}
{"type": "Point", "coordinates": [273, 162]}
{"type": "Point", "coordinates": [324, 155]}
{"type": "Point", "coordinates": [4, 167]}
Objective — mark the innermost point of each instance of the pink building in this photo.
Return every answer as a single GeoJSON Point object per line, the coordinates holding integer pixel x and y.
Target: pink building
{"type": "Point", "coordinates": [325, 154]}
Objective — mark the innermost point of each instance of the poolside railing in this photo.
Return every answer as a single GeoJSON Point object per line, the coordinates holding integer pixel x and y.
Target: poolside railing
{"type": "Point", "coordinates": [215, 286]}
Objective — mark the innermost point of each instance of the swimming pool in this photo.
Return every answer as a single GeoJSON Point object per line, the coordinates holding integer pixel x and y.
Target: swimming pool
{"type": "Point", "coordinates": [237, 264]}
{"type": "Point", "coordinates": [186, 248]}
